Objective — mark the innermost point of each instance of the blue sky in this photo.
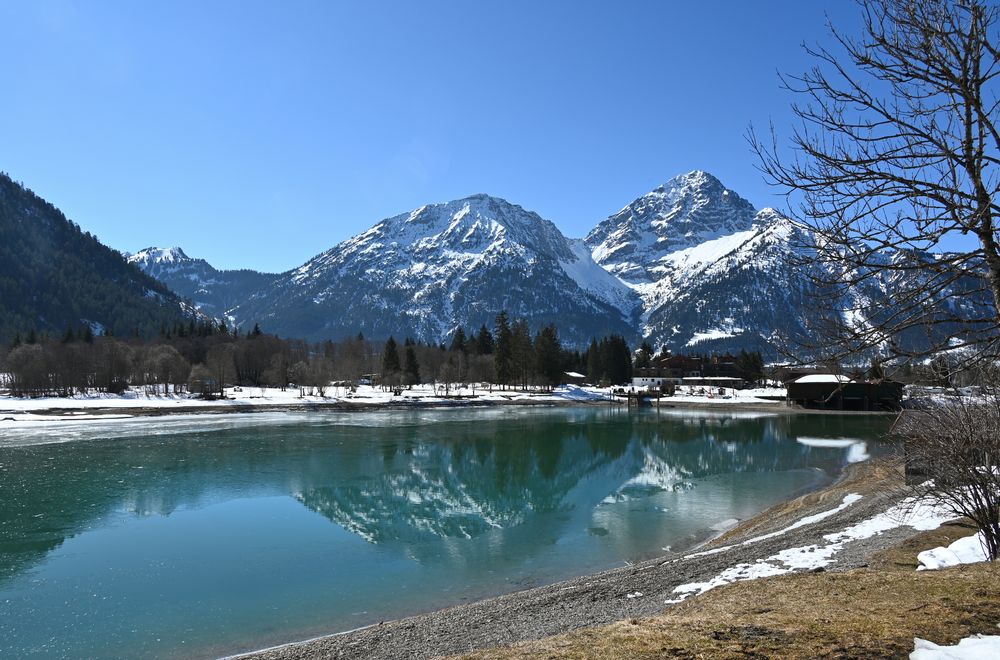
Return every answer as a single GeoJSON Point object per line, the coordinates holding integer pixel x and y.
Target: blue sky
{"type": "Point", "coordinates": [257, 134]}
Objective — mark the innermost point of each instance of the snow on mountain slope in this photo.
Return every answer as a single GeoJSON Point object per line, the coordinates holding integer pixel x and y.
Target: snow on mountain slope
{"type": "Point", "coordinates": [747, 292]}
{"type": "Point", "coordinates": [441, 266]}
{"type": "Point", "coordinates": [592, 278]}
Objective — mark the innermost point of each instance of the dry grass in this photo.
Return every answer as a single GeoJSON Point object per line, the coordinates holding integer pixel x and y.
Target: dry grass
{"type": "Point", "coordinates": [861, 614]}
{"type": "Point", "coordinates": [867, 613]}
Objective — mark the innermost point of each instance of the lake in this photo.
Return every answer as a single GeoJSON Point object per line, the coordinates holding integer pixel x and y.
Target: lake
{"type": "Point", "coordinates": [204, 535]}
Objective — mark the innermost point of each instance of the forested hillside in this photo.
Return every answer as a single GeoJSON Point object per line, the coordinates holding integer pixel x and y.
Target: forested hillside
{"type": "Point", "coordinates": [55, 276]}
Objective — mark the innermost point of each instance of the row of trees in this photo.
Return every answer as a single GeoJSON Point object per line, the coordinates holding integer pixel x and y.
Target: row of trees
{"type": "Point", "coordinates": [508, 356]}
{"type": "Point", "coordinates": [205, 357]}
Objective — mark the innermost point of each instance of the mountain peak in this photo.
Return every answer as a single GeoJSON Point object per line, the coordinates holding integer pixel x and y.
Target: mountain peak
{"type": "Point", "coordinates": [692, 179]}
{"type": "Point", "coordinates": [158, 255]}
{"type": "Point", "coordinates": [688, 210]}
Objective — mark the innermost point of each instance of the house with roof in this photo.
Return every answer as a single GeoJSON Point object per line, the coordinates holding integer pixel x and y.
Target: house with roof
{"type": "Point", "coordinates": [839, 392]}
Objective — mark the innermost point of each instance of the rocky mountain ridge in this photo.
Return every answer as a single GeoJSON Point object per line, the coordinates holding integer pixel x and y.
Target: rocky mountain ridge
{"type": "Point", "coordinates": [690, 265]}
{"type": "Point", "coordinates": [214, 292]}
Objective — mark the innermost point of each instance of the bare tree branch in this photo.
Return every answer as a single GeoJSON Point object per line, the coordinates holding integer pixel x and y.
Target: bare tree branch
{"type": "Point", "coordinates": [895, 153]}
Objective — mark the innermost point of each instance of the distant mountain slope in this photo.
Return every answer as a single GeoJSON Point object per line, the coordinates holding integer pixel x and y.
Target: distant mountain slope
{"type": "Point", "coordinates": [54, 275]}
{"type": "Point", "coordinates": [441, 266]}
{"type": "Point", "coordinates": [214, 292]}
{"type": "Point", "coordinates": [745, 290]}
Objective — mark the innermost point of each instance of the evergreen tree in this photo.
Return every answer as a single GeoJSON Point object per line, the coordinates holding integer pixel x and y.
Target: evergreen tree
{"type": "Point", "coordinates": [458, 340]}
{"type": "Point", "coordinates": [548, 356]}
{"type": "Point", "coordinates": [484, 341]}
{"type": "Point", "coordinates": [411, 369]}
{"type": "Point", "coordinates": [522, 352]}
{"type": "Point", "coordinates": [390, 359]}
{"type": "Point", "coordinates": [503, 354]}
{"type": "Point", "coordinates": [593, 358]}
{"type": "Point", "coordinates": [644, 356]}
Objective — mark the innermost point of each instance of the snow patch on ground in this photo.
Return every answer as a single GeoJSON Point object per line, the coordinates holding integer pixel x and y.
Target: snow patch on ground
{"type": "Point", "coordinates": [713, 333]}
{"type": "Point", "coordinates": [806, 520]}
{"type": "Point", "coordinates": [921, 515]}
{"type": "Point", "coordinates": [977, 647]}
{"type": "Point", "coordinates": [968, 550]}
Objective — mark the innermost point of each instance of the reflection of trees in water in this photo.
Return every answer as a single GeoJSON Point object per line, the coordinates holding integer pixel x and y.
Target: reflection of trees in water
{"type": "Point", "coordinates": [450, 480]}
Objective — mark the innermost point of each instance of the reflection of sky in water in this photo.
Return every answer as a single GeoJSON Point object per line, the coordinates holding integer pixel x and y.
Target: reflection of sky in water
{"type": "Point", "coordinates": [217, 532]}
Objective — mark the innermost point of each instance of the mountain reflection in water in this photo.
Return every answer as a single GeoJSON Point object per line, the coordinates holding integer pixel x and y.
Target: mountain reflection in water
{"type": "Point", "coordinates": [179, 522]}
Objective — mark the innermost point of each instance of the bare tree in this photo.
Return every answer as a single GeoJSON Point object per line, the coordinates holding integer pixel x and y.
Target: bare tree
{"type": "Point", "coordinates": [956, 449]}
{"type": "Point", "coordinates": [897, 150]}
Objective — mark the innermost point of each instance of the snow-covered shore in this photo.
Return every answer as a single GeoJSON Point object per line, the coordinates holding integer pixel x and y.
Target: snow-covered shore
{"type": "Point", "coordinates": [138, 401]}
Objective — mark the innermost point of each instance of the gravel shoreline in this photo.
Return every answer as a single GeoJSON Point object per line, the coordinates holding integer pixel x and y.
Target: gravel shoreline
{"type": "Point", "coordinates": [605, 597]}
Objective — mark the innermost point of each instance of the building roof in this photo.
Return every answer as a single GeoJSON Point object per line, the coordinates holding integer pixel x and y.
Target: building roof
{"type": "Point", "coordinates": [726, 378]}
{"type": "Point", "coordinates": [823, 378]}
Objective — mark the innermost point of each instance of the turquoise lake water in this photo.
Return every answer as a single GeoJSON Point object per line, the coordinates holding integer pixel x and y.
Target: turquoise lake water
{"type": "Point", "coordinates": [205, 535]}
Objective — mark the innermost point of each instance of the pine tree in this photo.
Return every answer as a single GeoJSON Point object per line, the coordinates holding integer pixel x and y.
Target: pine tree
{"type": "Point", "coordinates": [523, 352]}
{"type": "Point", "coordinates": [458, 340]}
{"type": "Point", "coordinates": [411, 369]}
{"type": "Point", "coordinates": [390, 358]}
{"type": "Point", "coordinates": [595, 371]}
{"type": "Point", "coordinates": [484, 341]}
{"type": "Point", "coordinates": [644, 356]}
{"type": "Point", "coordinates": [504, 351]}
{"type": "Point", "coordinates": [548, 356]}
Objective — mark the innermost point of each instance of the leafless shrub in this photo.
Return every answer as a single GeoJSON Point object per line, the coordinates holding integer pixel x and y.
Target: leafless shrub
{"type": "Point", "coordinates": [954, 447]}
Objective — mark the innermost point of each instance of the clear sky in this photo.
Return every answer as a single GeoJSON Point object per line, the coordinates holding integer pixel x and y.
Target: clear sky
{"type": "Point", "coordinates": [257, 134]}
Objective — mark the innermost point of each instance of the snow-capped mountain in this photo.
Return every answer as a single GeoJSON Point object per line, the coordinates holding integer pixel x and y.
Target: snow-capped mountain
{"type": "Point", "coordinates": [684, 213]}
{"type": "Point", "coordinates": [712, 273]}
{"type": "Point", "coordinates": [690, 265]}
{"type": "Point", "coordinates": [441, 266]}
{"type": "Point", "coordinates": [744, 290]}
{"type": "Point", "coordinates": [214, 292]}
